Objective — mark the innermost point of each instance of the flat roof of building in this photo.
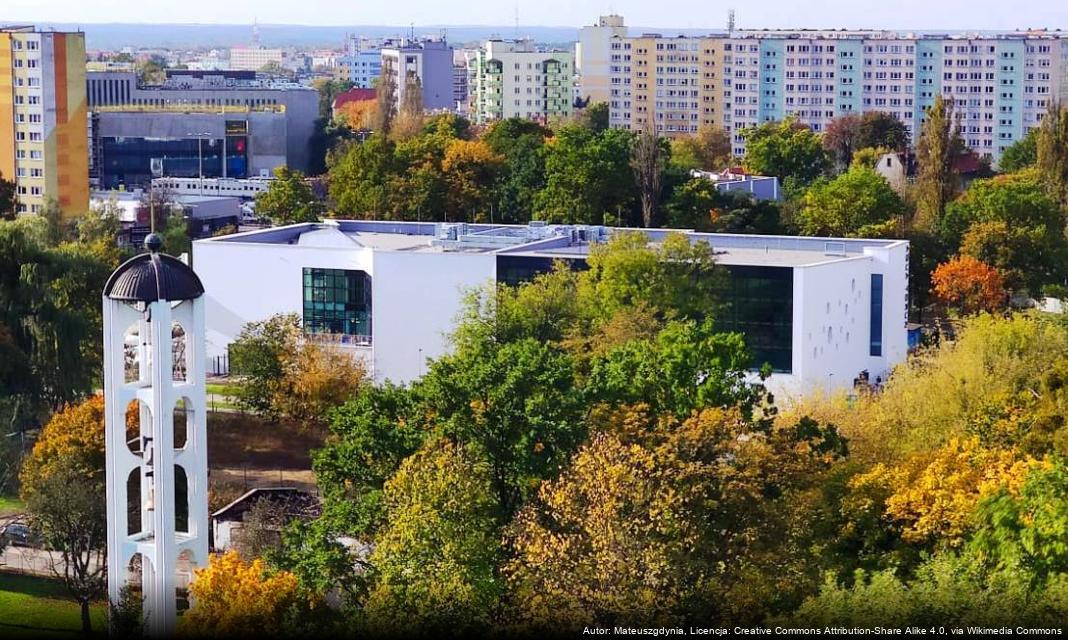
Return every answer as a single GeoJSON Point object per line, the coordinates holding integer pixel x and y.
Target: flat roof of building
{"type": "Point", "coordinates": [546, 240]}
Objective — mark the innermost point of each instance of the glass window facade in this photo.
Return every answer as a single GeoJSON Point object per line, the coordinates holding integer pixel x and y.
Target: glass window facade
{"type": "Point", "coordinates": [337, 301]}
{"type": "Point", "coordinates": [876, 346]}
{"type": "Point", "coordinates": [760, 306]}
{"type": "Point", "coordinates": [514, 270]}
{"type": "Point", "coordinates": [135, 161]}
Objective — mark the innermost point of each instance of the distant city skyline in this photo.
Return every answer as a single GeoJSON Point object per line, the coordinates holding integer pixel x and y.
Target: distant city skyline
{"type": "Point", "coordinates": [901, 15]}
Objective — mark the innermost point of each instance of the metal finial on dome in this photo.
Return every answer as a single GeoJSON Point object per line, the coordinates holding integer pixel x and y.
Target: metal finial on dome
{"type": "Point", "coordinates": [153, 242]}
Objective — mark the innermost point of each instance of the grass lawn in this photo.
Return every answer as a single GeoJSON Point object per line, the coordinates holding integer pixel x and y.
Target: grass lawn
{"type": "Point", "coordinates": [221, 395]}
{"type": "Point", "coordinates": [33, 606]}
{"type": "Point", "coordinates": [11, 505]}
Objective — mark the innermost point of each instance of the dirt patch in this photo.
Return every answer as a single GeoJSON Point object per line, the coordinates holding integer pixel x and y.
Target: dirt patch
{"type": "Point", "coordinates": [244, 441]}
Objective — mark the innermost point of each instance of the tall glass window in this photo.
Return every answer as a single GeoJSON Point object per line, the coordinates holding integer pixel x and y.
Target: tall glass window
{"type": "Point", "coordinates": [337, 301]}
{"type": "Point", "coordinates": [876, 347]}
{"type": "Point", "coordinates": [760, 306]}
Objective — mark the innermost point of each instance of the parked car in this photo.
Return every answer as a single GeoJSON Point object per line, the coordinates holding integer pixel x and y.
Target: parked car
{"type": "Point", "coordinates": [19, 534]}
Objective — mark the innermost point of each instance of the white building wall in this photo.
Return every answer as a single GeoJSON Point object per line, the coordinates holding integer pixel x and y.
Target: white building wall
{"type": "Point", "coordinates": [416, 299]}
{"type": "Point", "coordinates": [832, 322]}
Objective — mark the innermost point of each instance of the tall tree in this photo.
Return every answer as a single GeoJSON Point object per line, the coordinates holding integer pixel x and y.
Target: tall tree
{"type": "Point", "coordinates": [587, 177]}
{"type": "Point", "coordinates": [9, 201]}
{"type": "Point", "coordinates": [63, 487]}
{"type": "Point", "coordinates": [409, 122]}
{"type": "Point", "coordinates": [647, 159]}
{"type": "Point", "coordinates": [1021, 154]}
{"type": "Point", "coordinates": [385, 102]}
{"type": "Point", "coordinates": [1052, 151]}
{"type": "Point", "coordinates": [940, 144]}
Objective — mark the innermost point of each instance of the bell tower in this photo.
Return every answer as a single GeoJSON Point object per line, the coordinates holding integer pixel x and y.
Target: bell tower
{"type": "Point", "coordinates": [155, 428]}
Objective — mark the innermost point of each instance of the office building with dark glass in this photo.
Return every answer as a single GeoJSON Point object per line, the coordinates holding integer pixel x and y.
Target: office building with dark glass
{"type": "Point", "coordinates": [819, 312]}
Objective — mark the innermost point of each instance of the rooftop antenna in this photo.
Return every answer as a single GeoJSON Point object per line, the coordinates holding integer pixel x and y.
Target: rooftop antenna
{"type": "Point", "coordinates": [730, 21]}
{"type": "Point", "coordinates": [517, 21]}
{"type": "Point", "coordinates": [255, 33]}
{"type": "Point", "coordinates": [412, 31]}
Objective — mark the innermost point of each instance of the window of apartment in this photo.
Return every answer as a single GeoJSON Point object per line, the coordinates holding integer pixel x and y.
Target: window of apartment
{"type": "Point", "coordinates": [337, 301]}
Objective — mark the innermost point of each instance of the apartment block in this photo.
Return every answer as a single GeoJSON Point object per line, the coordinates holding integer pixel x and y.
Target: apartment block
{"type": "Point", "coordinates": [43, 118]}
{"type": "Point", "coordinates": [593, 58]}
{"type": "Point", "coordinates": [514, 79]}
{"type": "Point", "coordinates": [1000, 84]}
{"type": "Point", "coordinates": [428, 61]}
{"type": "Point", "coordinates": [670, 84]}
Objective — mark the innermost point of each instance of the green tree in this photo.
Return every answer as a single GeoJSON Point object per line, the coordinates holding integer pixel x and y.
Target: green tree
{"type": "Point", "coordinates": [9, 201]}
{"type": "Point", "coordinates": [435, 563]}
{"type": "Point", "coordinates": [857, 203]}
{"type": "Point", "coordinates": [697, 204]}
{"type": "Point", "coordinates": [587, 177]}
{"type": "Point", "coordinates": [1012, 223]}
{"type": "Point", "coordinates": [881, 129]}
{"type": "Point", "coordinates": [937, 184]}
{"type": "Point", "coordinates": [1052, 151]}
{"type": "Point", "coordinates": [787, 149]}
{"type": "Point", "coordinates": [257, 355]}
{"type": "Point", "coordinates": [520, 142]}
{"type": "Point", "coordinates": [517, 404]}
{"type": "Point", "coordinates": [288, 199]}
{"type": "Point", "coordinates": [359, 175]}
{"type": "Point", "coordinates": [595, 117]}
{"type": "Point", "coordinates": [50, 306]}
{"type": "Point", "coordinates": [1021, 154]}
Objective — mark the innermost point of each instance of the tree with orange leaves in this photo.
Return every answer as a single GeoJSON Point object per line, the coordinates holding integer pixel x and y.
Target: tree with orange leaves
{"type": "Point", "coordinates": [969, 285]}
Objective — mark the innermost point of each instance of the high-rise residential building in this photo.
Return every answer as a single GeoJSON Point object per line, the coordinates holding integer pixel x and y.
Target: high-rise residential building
{"type": "Point", "coordinates": [44, 139]}
{"type": "Point", "coordinates": [1000, 84]}
{"type": "Point", "coordinates": [430, 62]}
{"type": "Point", "coordinates": [671, 84]}
{"type": "Point", "coordinates": [593, 58]}
{"type": "Point", "coordinates": [514, 79]}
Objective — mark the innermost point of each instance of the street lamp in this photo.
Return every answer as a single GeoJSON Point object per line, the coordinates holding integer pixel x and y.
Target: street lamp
{"type": "Point", "coordinates": [200, 155]}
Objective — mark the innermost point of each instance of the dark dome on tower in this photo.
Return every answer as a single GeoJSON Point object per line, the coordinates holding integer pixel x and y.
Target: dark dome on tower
{"type": "Point", "coordinates": [153, 276]}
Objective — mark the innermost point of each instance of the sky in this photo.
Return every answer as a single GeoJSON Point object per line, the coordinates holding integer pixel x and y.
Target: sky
{"type": "Point", "coordinates": [889, 14]}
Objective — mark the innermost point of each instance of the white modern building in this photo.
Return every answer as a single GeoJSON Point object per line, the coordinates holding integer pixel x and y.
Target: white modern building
{"type": "Point", "coordinates": [820, 311]}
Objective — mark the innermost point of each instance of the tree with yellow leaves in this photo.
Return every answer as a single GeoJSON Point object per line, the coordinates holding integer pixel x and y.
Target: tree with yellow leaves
{"type": "Point", "coordinates": [468, 166]}
{"type": "Point", "coordinates": [933, 496]}
{"type": "Point", "coordinates": [656, 521]}
{"type": "Point", "coordinates": [233, 598]}
{"type": "Point", "coordinates": [315, 378]}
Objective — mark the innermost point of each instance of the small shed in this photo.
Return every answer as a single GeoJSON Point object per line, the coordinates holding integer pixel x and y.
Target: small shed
{"type": "Point", "coordinates": [227, 523]}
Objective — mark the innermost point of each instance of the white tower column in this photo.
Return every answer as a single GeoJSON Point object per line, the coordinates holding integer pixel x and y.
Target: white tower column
{"type": "Point", "coordinates": [157, 298]}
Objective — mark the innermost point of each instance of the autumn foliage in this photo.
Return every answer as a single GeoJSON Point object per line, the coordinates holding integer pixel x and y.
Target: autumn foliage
{"type": "Point", "coordinates": [237, 598]}
{"type": "Point", "coordinates": [75, 433]}
{"type": "Point", "coordinates": [969, 285]}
